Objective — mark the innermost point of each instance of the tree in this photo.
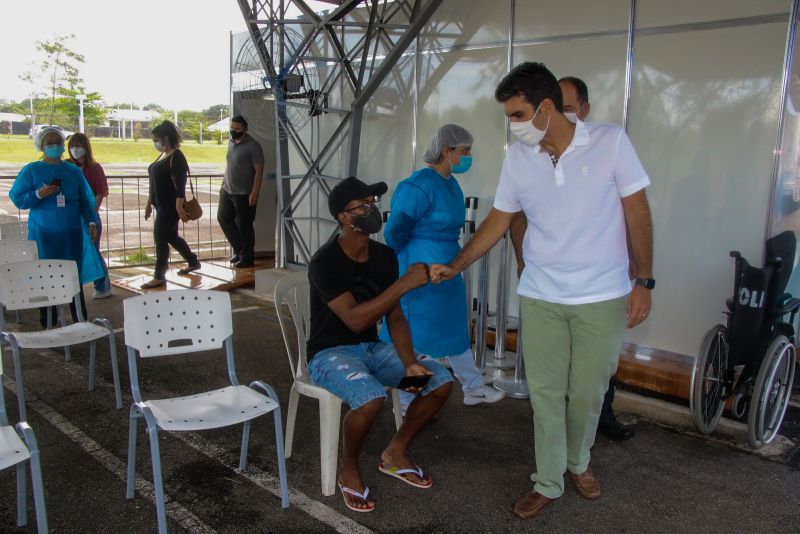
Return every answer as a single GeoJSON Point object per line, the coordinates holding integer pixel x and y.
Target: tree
{"type": "Point", "coordinates": [58, 70]}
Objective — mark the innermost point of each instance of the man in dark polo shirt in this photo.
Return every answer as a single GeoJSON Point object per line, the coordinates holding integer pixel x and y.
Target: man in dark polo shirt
{"type": "Point", "coordinates": [353, 284]}
{"type": "Point", "coordinates": [239, 194]}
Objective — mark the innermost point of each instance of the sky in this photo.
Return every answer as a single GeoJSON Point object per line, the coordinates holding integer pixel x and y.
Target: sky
{"type": "Point", "coordinates": [174, 53]}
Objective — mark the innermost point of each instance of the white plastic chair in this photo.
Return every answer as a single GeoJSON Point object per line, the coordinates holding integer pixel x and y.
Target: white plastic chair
{"type": "Point", "coordinates": [14, 251]}
{"type": "Point", "coordinates": [15, 451]}
{"type": "Point", "coordinates": [32, 284]}
{"type": "Point", "coordinates": [14, 231]}
{"type": "Point", "coordinates": [181, 322]}
{"type": "Point", "coordinates": [293, 291]}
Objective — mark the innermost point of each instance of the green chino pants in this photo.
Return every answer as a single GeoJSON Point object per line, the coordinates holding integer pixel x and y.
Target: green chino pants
{"type": "Point", "coordinates": [570, 353]}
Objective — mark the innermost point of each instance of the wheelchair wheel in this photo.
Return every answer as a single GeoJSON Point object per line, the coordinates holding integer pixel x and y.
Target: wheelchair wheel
{"type": "Point", "coordinates": [706, 397]}
{"type": "Point", "coordinates": [771, 392]}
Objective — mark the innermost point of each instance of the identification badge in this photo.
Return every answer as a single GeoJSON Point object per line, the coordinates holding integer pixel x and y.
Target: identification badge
{"type": "Point", "coordinates": [61, 200]}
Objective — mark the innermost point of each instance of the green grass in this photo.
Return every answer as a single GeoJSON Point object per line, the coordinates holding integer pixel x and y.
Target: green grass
{"type": "Point", "coordinates": [18, 149]}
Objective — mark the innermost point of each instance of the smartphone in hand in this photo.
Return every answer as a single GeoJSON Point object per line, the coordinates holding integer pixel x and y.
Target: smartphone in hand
{"type": "Point", "coordinates": [56, 182]}
{"type": "Point", "coordinates": [416, 381]}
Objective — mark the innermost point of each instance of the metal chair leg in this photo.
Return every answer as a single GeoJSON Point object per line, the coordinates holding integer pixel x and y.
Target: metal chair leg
{"type": "Point", "coordinates": [92, 361]}
{"type": "Point", "coordinates": [134, 420]}
{"type": "Point", "coordinates": [22, 495]}
{"type": "Point", "coordinates": [115, 369]}
{"type": "Point", "coordinates": [245, 441]}
{"type": "Point", "coordinates": [158, 484]}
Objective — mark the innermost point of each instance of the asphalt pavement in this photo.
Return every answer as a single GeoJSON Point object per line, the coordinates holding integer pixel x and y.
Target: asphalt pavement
{"type": "Point", "coordinates": [480, 458]}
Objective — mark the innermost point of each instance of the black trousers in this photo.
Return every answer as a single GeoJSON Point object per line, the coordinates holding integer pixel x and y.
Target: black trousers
{"type": "Point", "coordinates": [165, 233]}
{"type": "Point", "coordinates": [43, 312]}
{"type": "Point", "coordinates": [607, 414]}
{"type": "Point", "coordinates": [235, 216]}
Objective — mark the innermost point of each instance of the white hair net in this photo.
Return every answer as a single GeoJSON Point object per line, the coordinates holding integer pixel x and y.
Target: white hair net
{"type": "Point", "coordinates": [448, 135]}
{"type": "Point", "coordinates": [37, 141]}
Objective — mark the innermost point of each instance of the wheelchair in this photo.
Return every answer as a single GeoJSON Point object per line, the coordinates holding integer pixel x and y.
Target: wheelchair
{"type": "Point", "coordinates": [750, 361]}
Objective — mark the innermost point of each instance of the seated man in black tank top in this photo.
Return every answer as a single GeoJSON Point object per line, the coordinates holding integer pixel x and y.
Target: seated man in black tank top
{"type": "Point", "coordinates": [354, 284]}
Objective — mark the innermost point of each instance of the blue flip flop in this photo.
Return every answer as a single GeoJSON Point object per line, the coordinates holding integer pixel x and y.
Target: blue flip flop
{"type": "Point", "coordinates": [354, 493]}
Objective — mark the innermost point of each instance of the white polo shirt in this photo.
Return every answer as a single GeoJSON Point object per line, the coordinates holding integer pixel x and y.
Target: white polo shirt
{"type": "Point", "coordinates": [574, 248]}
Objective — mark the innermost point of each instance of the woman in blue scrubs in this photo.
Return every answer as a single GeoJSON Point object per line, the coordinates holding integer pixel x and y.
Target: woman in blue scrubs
{"type": "Point", "coordinates": [61, 205]}
{"type": "Point", "coordinates": [424, 226]}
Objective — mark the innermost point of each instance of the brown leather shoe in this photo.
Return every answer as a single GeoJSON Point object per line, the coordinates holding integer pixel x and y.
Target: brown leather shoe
{"type": "Point", "coordinates": [530, 504]}
{"type": "Point", "coordinates": [586, 484]}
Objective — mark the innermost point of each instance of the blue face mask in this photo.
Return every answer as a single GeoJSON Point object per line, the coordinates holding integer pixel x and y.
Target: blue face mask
{"type": "Point", "coordinates": [464, 164]}
{"type": "Point", "coordinates": [54, 151]}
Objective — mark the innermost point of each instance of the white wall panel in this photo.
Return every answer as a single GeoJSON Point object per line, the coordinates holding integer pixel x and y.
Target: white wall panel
{"type": "Point", "coordinates": [551, 18]}
{"type": "Point", "coordinates": [703, 120]}
{"type": "Point", "coordinates": [599, 62]}
{"type": "Point", "coordinates": [650, 13]}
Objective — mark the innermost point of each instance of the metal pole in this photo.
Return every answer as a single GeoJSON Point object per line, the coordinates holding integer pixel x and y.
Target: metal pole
{"type": "Point", "coordinates": [483, 309]}
{"type": "Point", "coordinates": [471, 205]}
{"type": "Point", "coordinates": [516, 387]}
{"type": "Point", "coordinates": [500, 359]}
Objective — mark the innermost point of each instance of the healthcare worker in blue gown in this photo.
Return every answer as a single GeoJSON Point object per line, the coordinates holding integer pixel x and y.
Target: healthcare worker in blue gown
{"type": "Point", "coordinates": [424, 226]}
{"type": "Point", "coordinates": [62, 219]}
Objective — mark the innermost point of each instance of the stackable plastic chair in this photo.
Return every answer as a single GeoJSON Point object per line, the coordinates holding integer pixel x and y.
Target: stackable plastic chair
{"type": "Point", "coordinates": [14, 231]}
{"type": "Point", "coordinates": [32, 284]}
{"type": "Point", "coordinates": [182, 322]}
{"type": "Point", "coordinates": [15, 251]}
{"type": "Point", "coordinates": [18, 446]}
{"type": "Point", "coordinates": [293, 291]}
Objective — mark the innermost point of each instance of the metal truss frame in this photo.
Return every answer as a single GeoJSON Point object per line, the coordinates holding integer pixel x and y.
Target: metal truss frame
{"type": "Point", "coordinates": [384, 29]}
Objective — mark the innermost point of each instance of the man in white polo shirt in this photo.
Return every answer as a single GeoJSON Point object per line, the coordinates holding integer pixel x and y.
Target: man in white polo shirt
{"type": "Point", "coordinates": [580, 185]}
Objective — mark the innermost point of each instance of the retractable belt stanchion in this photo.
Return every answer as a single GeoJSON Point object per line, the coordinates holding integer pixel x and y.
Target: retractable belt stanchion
{"type": "Point", "coordinates": [471, 205]}
{"type": "Point", "coordinates": [482, 313]}
{"type": "Point", "coordinates": [516, 387]}
{"type": "Point", "coordinates": [501, 359]}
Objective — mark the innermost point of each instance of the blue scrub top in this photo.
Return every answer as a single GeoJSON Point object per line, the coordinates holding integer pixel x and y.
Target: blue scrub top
{"type": "Point", "coordinates": [60, 232]}
{"type": "Point", "coordinates": [425, 224]}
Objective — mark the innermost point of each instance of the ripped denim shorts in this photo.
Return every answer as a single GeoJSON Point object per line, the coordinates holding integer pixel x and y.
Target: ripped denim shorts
{"type": "Point", "coordinates": [359, 373]}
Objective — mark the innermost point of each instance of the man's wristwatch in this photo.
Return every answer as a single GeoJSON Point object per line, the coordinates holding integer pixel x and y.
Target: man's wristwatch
{"type": "Point", "coordinates": [647, 283]}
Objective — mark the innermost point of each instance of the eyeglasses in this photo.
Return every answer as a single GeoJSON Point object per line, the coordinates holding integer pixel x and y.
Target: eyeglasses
{"type": "Point", "coordinates": [367, 206]}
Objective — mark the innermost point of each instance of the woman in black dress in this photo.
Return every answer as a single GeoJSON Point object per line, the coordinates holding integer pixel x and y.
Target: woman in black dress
{"type": "Point", "coordinates": [167, 194]}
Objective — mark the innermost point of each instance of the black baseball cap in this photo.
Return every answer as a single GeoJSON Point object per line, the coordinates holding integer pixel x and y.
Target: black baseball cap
{"type": "Point", "coordinates": [351, 189]}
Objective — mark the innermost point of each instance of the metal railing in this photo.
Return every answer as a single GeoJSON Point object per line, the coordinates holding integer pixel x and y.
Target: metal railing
{"type": "Point", "coordinates": [127, 239]}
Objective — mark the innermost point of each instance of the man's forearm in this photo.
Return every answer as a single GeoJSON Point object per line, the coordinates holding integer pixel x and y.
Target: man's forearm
{"type": "Point", "coordinates": [256, 184]}
{"type": "Point", "coordinates": [401, 336]}
{"type": "Point", "coordinates": [366, 314]}
{"type": "Point", "coordinates": [519, 224]}
{"type": "Point", "coordinates": [489, 232]}
{"type": "Point", "coordinates": [640, 230]}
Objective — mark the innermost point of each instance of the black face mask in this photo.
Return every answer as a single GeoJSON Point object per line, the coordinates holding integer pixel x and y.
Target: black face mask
{"type": "Point", "coordinates": [236, 135]}
{"type": "Point", "coordinates": [369, 223]}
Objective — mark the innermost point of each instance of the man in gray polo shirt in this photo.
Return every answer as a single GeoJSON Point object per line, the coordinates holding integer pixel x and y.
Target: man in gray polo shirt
{"type": "Point", "coordinates": [239, 194]}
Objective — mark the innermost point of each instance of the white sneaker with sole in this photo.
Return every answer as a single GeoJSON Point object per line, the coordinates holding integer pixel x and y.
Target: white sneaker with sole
{"type": "Point", "coordinates": [484, 394]}
{"type": "Point", "coordinates": [102, 294]}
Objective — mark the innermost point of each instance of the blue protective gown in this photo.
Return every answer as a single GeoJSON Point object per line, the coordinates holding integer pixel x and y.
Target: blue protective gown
{"type": "Point", "coordinates": [425, 223]}
{"type": "Point", "coordinates": [60, 233]}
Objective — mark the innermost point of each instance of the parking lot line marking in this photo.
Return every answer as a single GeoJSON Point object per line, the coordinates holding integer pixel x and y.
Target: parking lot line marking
{"type": "Point", "coordinates": [319, 511]}
{"type": "Point", "coordinates": [175, 511]}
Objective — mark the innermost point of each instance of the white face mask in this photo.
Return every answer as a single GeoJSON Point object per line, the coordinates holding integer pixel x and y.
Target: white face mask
{"type": "Point", "coordinates": [527, 132]}
{"type": "Point", "coordinates": [571, 117]}
{"type": "Point", "coordinates": [77, 152]}
{"type": "Point", "coordinates": [159, 146]}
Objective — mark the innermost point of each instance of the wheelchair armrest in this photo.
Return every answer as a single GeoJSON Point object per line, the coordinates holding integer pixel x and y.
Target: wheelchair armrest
{"type": "Point", "coordinates": [790, 306]}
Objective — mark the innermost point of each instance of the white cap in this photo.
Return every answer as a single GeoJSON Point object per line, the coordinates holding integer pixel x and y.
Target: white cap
{"type": "Point", "coordinates": [448, 135]}
{"type": "Point", "coordinates": [37, 141]}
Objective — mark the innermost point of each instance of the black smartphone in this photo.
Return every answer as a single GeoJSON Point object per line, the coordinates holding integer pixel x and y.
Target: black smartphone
{"type": "Point", "coordinates": [416, 381]}
{"type": "Point", "coordinates": [56, 182]}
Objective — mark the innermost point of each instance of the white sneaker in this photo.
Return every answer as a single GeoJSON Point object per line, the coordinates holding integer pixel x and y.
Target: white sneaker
{"type": "Point", "coordinates": [483, 394]}
{"type": "Point", "coordinates": [102, 294]}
